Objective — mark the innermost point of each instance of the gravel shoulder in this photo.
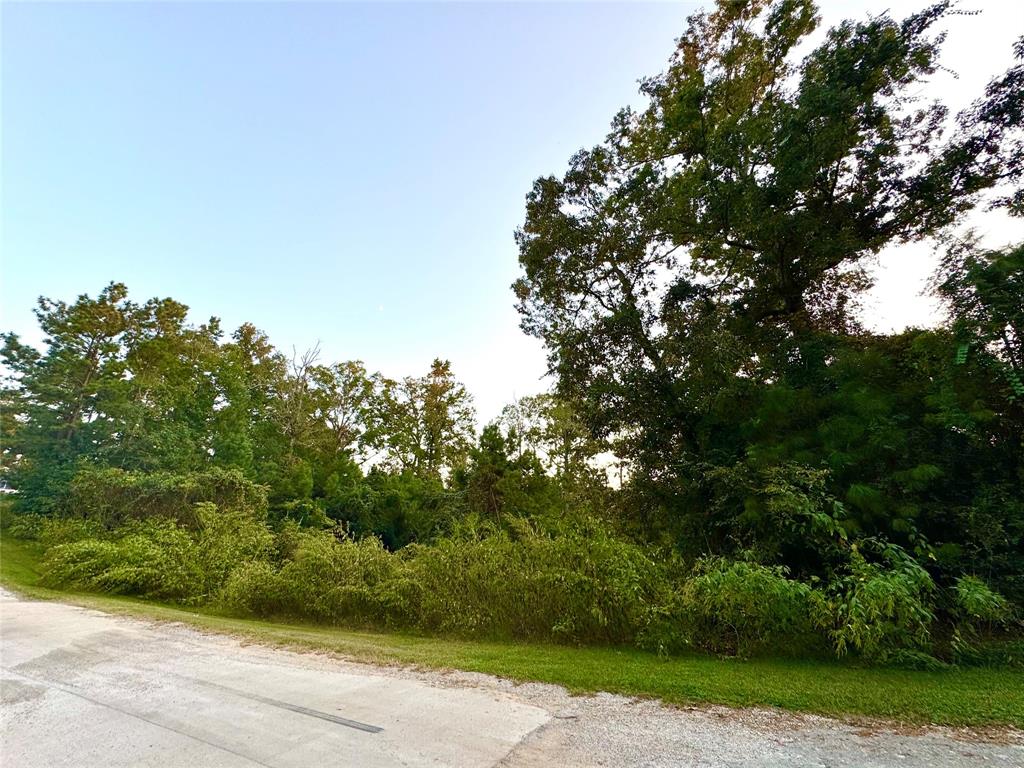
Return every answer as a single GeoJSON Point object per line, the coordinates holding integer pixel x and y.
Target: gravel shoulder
{"type": "Point", "coordinates": [155, 670]}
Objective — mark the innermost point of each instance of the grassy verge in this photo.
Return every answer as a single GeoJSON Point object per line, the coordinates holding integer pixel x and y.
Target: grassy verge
{"type": "Point", "coordinates": [974, 697]}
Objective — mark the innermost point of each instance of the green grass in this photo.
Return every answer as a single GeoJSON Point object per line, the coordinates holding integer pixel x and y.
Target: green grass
{"type": "Point", "coordinates": [975, 697]}
{"type": "Point", "coordinates": [19, 561]}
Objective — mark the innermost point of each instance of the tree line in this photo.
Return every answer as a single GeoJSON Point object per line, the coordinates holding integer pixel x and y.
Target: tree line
{"type": "Point", "coordinates": [137, 388]}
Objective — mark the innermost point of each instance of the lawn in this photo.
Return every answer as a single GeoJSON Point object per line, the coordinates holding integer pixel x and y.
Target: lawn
{"type": "Point", "coordinates": [973, 697]}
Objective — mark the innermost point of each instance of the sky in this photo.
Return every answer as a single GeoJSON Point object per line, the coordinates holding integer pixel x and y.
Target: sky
{"type": "Point", "coordinates": [343, 174]}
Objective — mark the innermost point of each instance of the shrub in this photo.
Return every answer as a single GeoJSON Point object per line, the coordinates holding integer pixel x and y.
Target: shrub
{"type": "Point", "coordinates": [64, 530]}
{"type": "Point", "coordinates": [254, 589]}
{"type": "Point", "coordinates": [335, 578]}
{"type": "Point", "coordinates": [226, 541]}
{"type": "Point", "coordinates": [582, 586]}
{"type": "Point", "coordinates": [976, 602]}
{"type": "Point", "coordinates": [881, 608]}
{"type": "Point", "coordinates": [115, 496]}
{"type": "Point", "coordinates": [25, 526]}
{"type": "Point", "coordinates": [154, 559]}
{"type": "Point", "coordinates": [978, 613]}
{"type": "Point", "coordinates": [739, 608]}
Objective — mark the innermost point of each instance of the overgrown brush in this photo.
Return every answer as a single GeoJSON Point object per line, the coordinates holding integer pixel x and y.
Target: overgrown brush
{"type": "Point", "coordinates": [155, 558]}
{"type": "Point", "coordinates": [882, 610]}
{"type": "Point", "coordinates": [582, 586]}
{"type": "Point", "coordinates": [329, 577]}
{"type": "Point", "coordinates": [981, 617]}
{"type": "Point", "coordinates": [579, 583]}
{"type": "Point", "coordinates": [738, 608]}
{"type": "Point", "coordinates": [115, 496]}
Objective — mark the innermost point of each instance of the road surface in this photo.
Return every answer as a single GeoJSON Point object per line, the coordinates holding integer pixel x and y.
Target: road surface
{"type": "Point", "coordinates": [82, 688]}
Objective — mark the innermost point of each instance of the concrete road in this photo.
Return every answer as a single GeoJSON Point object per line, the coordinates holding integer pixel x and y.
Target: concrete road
{"type": "Point", "coordinates": [82, 688]}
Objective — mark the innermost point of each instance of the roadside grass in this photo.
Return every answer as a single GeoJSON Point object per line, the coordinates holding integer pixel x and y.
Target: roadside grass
{"type": "Point", "coordinates": [961, 697]}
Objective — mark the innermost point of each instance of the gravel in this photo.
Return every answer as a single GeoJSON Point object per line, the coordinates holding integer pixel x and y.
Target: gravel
{"type": "Point", "coordinates": [610, 730]}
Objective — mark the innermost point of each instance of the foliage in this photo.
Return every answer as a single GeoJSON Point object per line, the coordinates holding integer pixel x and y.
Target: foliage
{"type": "Point", "coordinates": [340, 580]}
{"type": "Point", "coordinates": [978, 602]}
{"type": "Point", "coordinates": [582, 586]}
{"type": "Point", "coordinates": [430, 422]}
{"type": "Point", "coordinates": [114, 496]}
{"type": "Point", "coordinates": [154, 559]}
{"type": "Point", "coordinates": [983, 291]}
{"type": "Point", "coordinates": [881, 609]}
{"type": "Point", "coordinates": [695, 279]}
{"type": "Point", "coordinates": [742, 608]}
{"type": "Point", "coordinates": [225, 541]}
{"type": "Point", "coordinates": [979, 614]}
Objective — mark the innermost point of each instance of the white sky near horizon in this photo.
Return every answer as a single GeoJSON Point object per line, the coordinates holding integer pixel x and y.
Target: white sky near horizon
{"type": "Point", "coordinates": [349, 174]}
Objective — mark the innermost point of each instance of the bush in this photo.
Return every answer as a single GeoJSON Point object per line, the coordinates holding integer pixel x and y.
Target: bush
{"type": "Point", "coordinates": [738, 608]}
{"type": "Point", "coordinates": [155, 559]}
{"type": "Point", "coordinates": [979, 613]}
{"type": "Point", "coordinates": [25, 526]}
{"type": "Point", "coordinates": [338, 579]}
{"type": "Point", "coordinates": [115, 496]}
{"type": "Point", "coordinates": [977, 603]}
{"type": "Point", "coordinates": [329, 577]}
{"type": "Point", "coordinates": [226, 541]}
{"type": "Point", "coordinates": [584, 586]}
{"type": "Point", "coordinates": [576, 583]}
{"type": "Point", "coordinates": [64, 530]}
{"type": "Point", "coordinates": [881, 608]}
{"type": "Point", "coordinates": [254, 589]}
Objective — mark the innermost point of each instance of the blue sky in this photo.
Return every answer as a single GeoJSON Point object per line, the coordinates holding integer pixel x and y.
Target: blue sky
{"type": "Point", "coordinates": [341, 173]}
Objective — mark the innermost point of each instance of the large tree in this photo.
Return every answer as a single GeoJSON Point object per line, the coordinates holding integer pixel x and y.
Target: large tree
{"type": "Point", "coordinates": [695, 274]}
{"type": "Point", "coordinates": [120, 383]}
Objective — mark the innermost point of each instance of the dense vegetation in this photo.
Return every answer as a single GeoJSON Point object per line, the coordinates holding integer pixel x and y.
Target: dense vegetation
{"type": "Point", "coordinates": [788, 482]}
{"type": "Point", "coordinates": [964, 696]}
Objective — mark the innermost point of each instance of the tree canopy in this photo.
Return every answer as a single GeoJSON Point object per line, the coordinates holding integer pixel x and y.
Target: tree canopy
{"type": "Point", "coordinates": [695, 279]}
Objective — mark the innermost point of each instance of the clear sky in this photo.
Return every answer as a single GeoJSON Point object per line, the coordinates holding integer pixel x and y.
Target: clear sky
{"type": "Point", "coordinates": [340, 173]}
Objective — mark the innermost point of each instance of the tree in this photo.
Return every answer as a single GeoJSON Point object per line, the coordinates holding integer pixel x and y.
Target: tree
{"type": "Point", "coordinates": [550, 428]}
{"type": "Point", "coordinates": [427, 422]}
{"type": "Point", "coordinates": [501, 482]}
{"type": "Point", "coordinates": [120, 384]}
{"type": "Point", "coordinates": [992, 137]}
{"type": "Point", "coordinates": [63, 396]}
{"type": "Point", "coordinates": [169, 393]}
{"type": "Point", "coordinates": [348, 403]}
{"type": "Point", "coordinates": [713, 246]}
{"type": "Point", "coordinates": [984, 291]}
{"type": "Point", "coordinates": [249, 374]}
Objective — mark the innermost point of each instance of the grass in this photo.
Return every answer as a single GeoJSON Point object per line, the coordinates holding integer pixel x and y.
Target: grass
{"type": "Point", "coordinates": [967, 697]}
